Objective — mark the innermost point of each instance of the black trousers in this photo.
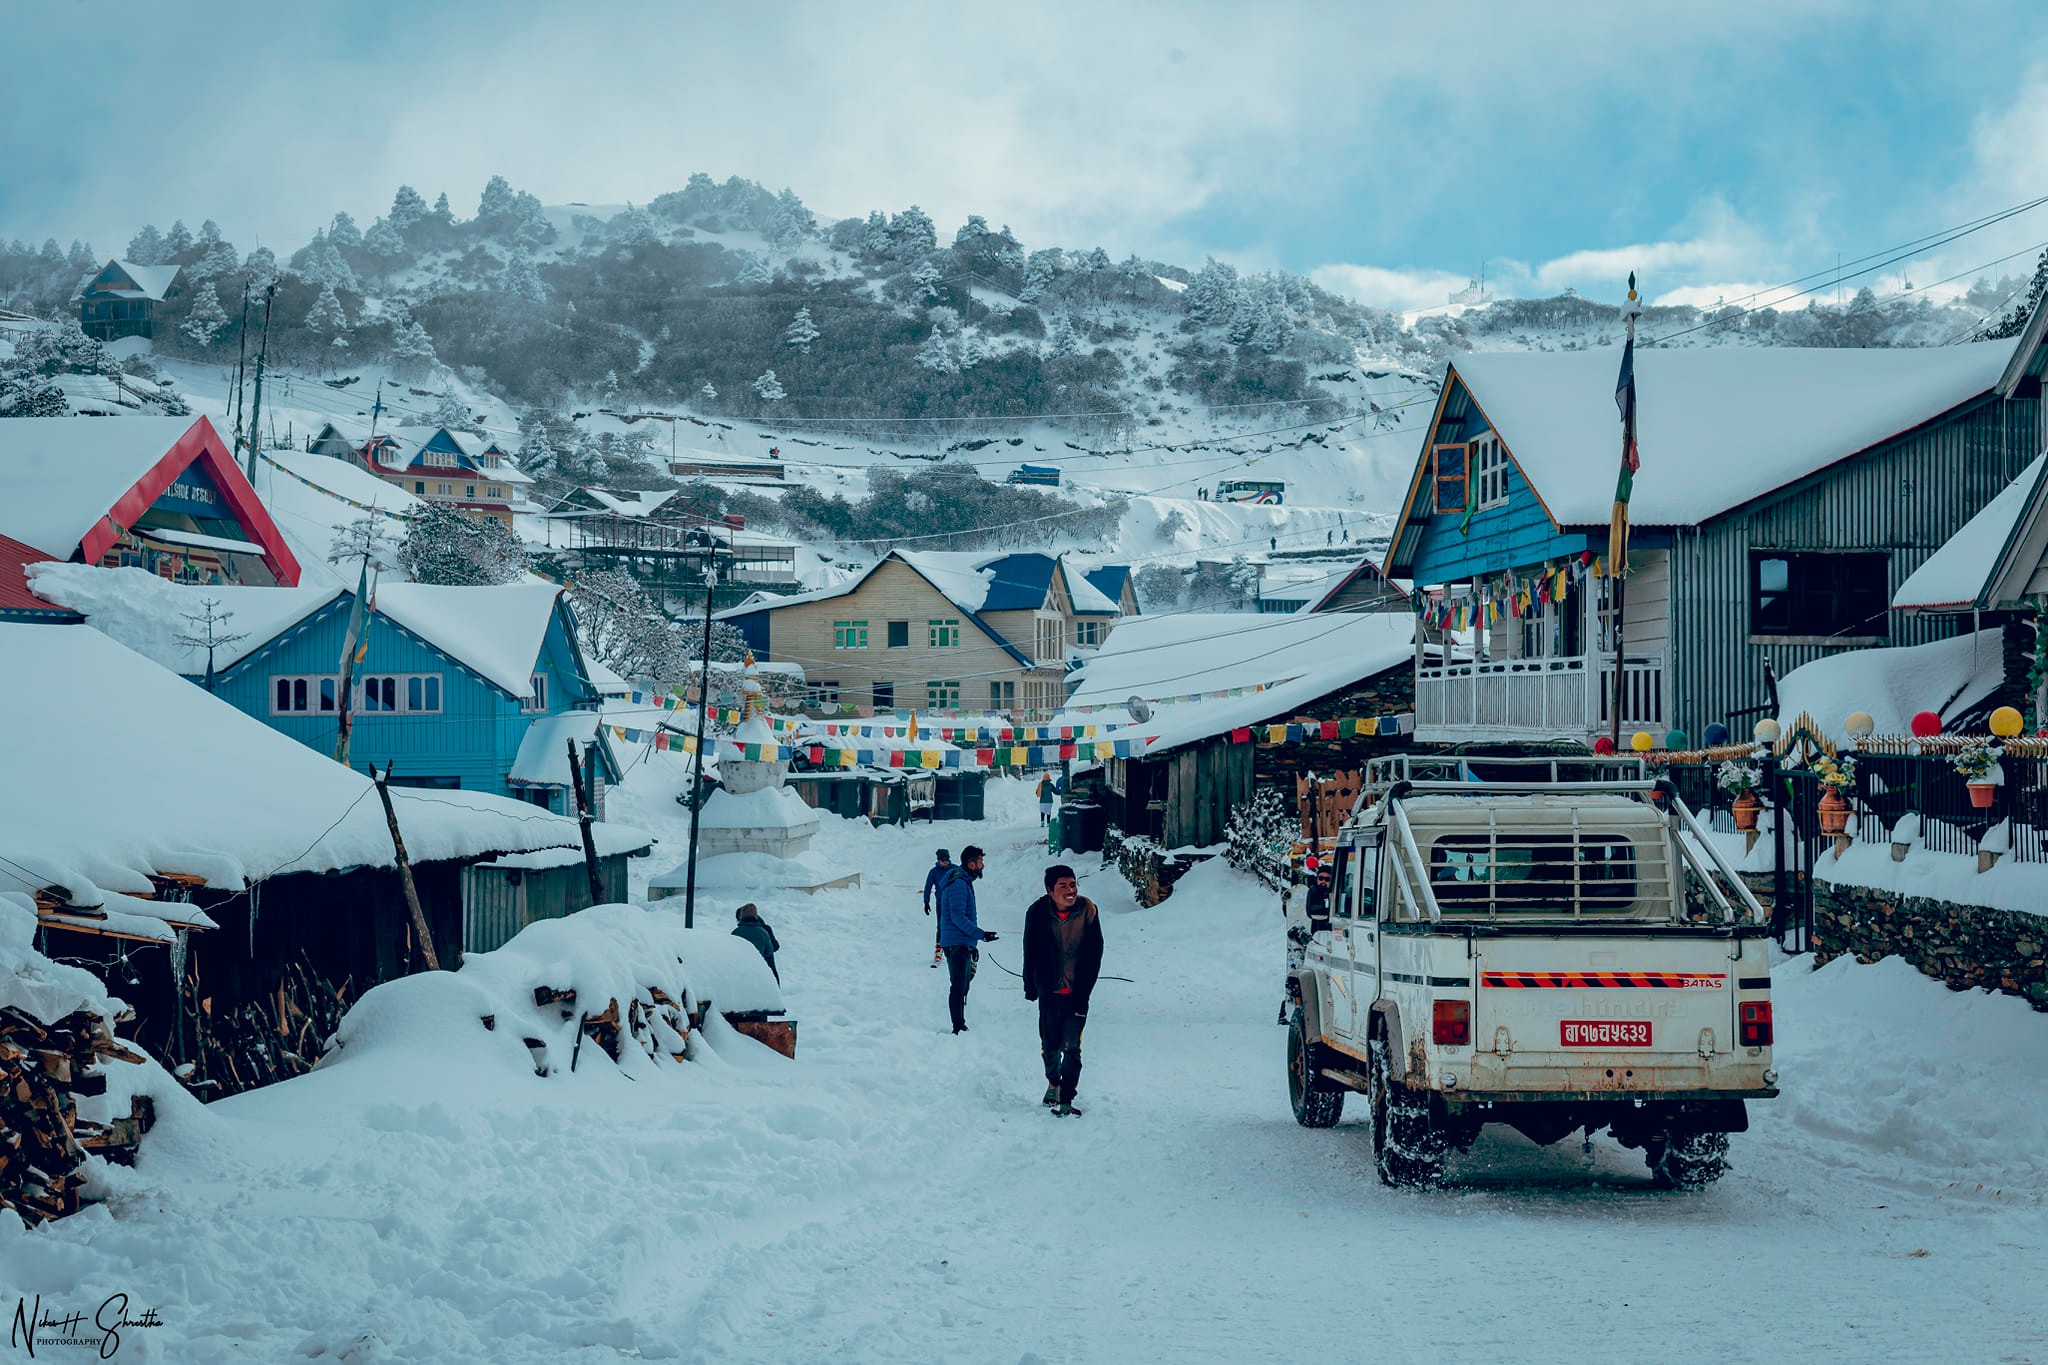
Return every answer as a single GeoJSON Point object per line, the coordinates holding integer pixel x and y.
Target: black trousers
{"type": "Point", "coordinates": [959, 973]}
{"type": "Point", "coordinates": [1060, 1021]}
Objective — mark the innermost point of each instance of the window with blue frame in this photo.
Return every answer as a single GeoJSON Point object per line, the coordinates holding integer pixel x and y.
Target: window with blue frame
{"type": "Point", "coordinates": [1453, 478]}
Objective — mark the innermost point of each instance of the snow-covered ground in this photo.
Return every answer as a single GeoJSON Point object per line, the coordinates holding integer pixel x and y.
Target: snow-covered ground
{"type": "Point", "coordinates": [897, 1193]}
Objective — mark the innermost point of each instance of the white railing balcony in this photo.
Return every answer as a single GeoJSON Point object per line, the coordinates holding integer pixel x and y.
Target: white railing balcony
{"type": "Point", "coordinates": [1535, 698]}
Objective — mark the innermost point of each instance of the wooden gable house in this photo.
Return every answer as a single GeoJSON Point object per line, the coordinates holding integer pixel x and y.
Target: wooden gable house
{"type": "Point", "coordinates": [121, 300]}
{"type": "Point", "coordinates": [1783, 495]}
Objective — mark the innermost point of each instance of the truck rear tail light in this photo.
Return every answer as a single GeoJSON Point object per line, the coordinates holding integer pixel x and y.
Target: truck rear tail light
{"type": "Point", "coordinates": [1756, 1023]}
{"type": "Point", "coordinates": [1451, 1022]}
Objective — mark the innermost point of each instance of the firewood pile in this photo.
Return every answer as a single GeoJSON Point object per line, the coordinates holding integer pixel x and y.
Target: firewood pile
{"type": "Point", "coordinates": [268, 1040]}
{"type": "Point", "coordinates": [44, 1068]}
{"type": "Point", "coordinates": [653, 1021]}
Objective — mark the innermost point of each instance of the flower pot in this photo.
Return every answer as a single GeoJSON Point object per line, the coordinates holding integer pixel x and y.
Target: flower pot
{"type": "Point", "coordinates": [1746, 808]}
{"type": "Point", "coordinates": [1983, 794]}
{"type": "Point", "coordinates": [1834, 812]}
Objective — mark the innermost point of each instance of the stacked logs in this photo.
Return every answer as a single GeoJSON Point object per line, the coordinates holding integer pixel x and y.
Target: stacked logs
{"type": "Point", "coordinates": [43, 1141]}
{"type": "Point", "coordinates": [653, 1021]}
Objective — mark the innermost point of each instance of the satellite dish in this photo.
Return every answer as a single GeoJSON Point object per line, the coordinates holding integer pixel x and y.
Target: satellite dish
{"type": "Point", "coordinates": [1140, 710]}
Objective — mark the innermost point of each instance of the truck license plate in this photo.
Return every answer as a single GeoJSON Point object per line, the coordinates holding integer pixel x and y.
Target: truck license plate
{"type": "Point", "coordinates": [1604, 1032]}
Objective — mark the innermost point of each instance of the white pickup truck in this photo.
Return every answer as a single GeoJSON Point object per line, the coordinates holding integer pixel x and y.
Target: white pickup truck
{"type": "Point", "coordinates": [1557, 947]}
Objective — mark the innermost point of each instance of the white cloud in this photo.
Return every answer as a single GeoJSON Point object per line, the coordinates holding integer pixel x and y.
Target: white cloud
{"type": "Point", "coordinates": [1379, 287]}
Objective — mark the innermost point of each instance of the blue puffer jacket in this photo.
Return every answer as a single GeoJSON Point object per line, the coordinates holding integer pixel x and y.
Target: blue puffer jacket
{"type": "Point", "coordinates": [957, 925]}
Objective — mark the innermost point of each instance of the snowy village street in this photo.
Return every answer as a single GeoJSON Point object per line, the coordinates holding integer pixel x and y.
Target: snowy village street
{"type": "Point", "coordinates": [898, 1194]}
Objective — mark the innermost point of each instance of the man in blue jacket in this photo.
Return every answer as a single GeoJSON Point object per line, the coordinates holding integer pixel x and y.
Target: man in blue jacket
{"type": "Point", "coordinates": [931, 884]}
{"type": "Point", "coordinates": [960, 934]}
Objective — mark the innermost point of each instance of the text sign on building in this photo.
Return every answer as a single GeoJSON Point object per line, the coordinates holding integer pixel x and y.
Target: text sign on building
{"type": "Point", "coordinates": [192, 494]}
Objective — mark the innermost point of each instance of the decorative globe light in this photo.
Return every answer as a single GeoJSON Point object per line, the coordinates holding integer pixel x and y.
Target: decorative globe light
{"type": "Point", "coordinates": [1926, 724]}
{"type": "Point", "coordinates": [1603, 745]}
{"type": "Point", "coordinates": [1677, 739]}
{"type": "Point", "coordinates": [1767, 731]}
{"type": "Point", "coordinates": [1859, 724]}
{"type": "Point", "coordinates": [1642, 743]}
{"type": "Point", "coordinates": [2007, 722]}
{"type": "Point", "coordinates": [1717, 735]}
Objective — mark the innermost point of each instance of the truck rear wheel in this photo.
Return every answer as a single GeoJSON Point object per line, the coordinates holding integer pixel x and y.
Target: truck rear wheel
{"type": "Point", "coordinates": [1687, 1159]}
{"type": "Point", "coordinates": [1317, 1103]}
{"type": "Point", "coordinates": [1407, 1149]}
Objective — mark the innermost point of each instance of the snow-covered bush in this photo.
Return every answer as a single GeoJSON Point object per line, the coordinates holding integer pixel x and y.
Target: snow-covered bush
{"type": "Point", "coordinates": [1259, 834]}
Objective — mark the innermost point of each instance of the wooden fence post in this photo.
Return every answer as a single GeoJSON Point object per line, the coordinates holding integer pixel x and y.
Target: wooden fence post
{"type": "Point", "coordinates": [412, 895]}
{"type": "Point", "coordinates": [583, 823]}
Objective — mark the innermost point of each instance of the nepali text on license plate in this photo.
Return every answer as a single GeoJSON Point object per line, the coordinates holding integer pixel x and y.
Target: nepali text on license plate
{"type": "Point", "coordinates": [1604, 1032]}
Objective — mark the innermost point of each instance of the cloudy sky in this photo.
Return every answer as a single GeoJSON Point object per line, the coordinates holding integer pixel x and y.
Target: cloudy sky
{"type": "Point", "coordinates": [1389, 150]}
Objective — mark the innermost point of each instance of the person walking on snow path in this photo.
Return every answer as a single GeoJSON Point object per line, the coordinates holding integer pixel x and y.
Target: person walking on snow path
{"type": "Point", "coordinates": [931, 883]}
{"type": "Point", "coordinates": [1045, 798]}
{"type": "Point", "coordinates": [960, 934]}
{"type": "Point", "coordinates": [755, 930]}
{"type": "Point", "coordinates": [1062, 959]}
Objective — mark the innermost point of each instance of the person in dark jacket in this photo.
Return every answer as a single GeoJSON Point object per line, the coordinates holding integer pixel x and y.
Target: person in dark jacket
{"type": "Point", "coordinates": [1062, 959]}
{"type": "Point", "coordinates": [931, 883]}
{"type": "Point", "coordinates": [960, 934]}
{"type": "Point", "coordinates": [755, 930]}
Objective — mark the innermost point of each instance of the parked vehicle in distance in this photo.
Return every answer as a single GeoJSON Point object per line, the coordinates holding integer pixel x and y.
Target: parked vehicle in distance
{"type": "Point", "coordinates": [1046, 474]}
{"type": "Point", "coordinates": [1550, 943]}
{"type": "Point", "coordinates": [1251, 490]}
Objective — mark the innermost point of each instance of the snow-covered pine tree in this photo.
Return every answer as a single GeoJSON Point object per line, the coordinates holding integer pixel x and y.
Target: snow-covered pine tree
{"type": "Point", "coordinates": [802, 331]}
{"type": "Point", "coordinates": [445, 546]}
{"type": "Point", "coordinates": [874, 239]}
{"type": "Point", "coordinates": [498, 202]}
{"type": "Point", "coordinates": [1064, 340]}
{"type": "Point", "coordinates": [343, 231]}
{"type": "Point", "coordinates": [634, 227]}
{"type": "Point", "coordinates": [925, 281]}
{"type": "Point", "coordinates": [209, 233]}
{"type": "Point", "coordinates": [260, 266]}
{"type": "Point", "coordinates": [178, 240]}
{"type": "Point", "coordinates": [441, 209]}
{"type": "Point", "coordinates": [1039, 273]}
{"type": "Point", "coordinates": [219, 261]}
{"type": "Point", "coordinates": [936, 354]}
{"type": "Point", "coordinates": [757, 271]}
{"type": "Point", "coordinates": [2015, 320]}
{"type": "Point", "coordinates": [972, 351]}
{"type": "Point", "coordinates": [1212, 298]}
{"type": "Point", "coordinates": [326, 314]}
{"type": "Point", "coordinates": [80, 256]}
{"type": "Point", "coordinates": [520, 280]}
{"type": "Point", "coordinates": [609, 390]}
{"type": "Point", "coordinates": [707, 394]}
{"type": "Point", "coordinates": [206, 317]}
{"type": "Point", "coordinates": [383, 240]}
{"type": "Point", "coordinates": [912, 235]}
{"type": "Point", "coordinates": [147, 246]}
{"type": "Point", "coordinates": [792, 223]}
{"type": "Point", "coordinates": [412, 350]}
{"type": "Point", "coordinates": [769, 389]}
{"type": "Point", "coordinates": [407, 208]}
{"type": "Point", "coordinates": [451, 412]}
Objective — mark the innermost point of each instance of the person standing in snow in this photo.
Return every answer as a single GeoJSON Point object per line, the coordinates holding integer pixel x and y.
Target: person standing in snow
{"type": "Point", "coordinates": [1062, 959]}
{"type": "Point", "coordinates": [1044, 799]}
{"type": "Point", "coordinates": [755, 930]}
{"type": "Point", "coordinates": [931, 882]}
{"type": "Point", "coordinates": [960, 934]}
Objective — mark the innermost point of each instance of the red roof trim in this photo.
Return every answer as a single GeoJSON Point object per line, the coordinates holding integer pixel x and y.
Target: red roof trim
{"type": "Point", "coordinates": [16, 599]}
{"type": "Point", "coordinates": [200, 445]}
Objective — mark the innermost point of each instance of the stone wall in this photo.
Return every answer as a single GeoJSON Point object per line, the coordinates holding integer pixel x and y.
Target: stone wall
{"type": "Point", "coordinates": [1962, 945]}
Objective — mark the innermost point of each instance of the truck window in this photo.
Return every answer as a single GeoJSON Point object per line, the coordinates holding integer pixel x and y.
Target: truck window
{"type": "Point", "coordinates": [1340, 886]}
{"type": "Point", "coordinates": [1365, 862]}
{"type": "Point", "coordinates": [1526, 871]}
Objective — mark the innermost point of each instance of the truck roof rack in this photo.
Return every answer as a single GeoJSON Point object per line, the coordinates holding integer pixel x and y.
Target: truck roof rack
{"type": "Point", "coordinates": [1566, 772]}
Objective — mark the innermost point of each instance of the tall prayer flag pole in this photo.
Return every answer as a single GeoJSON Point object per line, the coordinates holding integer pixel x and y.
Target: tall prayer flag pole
{"type": "Point", "coordinates": [1624, 485]}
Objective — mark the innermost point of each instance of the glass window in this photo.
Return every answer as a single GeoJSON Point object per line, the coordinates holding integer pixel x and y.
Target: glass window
{"type": "Point", "coordinates": [1490, 468]}
{"type": "Point", "coordinates": [885, 696]}
{"type": "Point", "coordinates": [942, 696]}
{"type": "Point", "coordinates": [943, 634]}
{"type": "Point", "coordinates": [1533, 871]}
{"type": "Point", "coordinates": [849, 635]}
{"type": "Point", "coordinates": [899, 635]}
{"type": "Point", "coordinates": [469, 491]}
{"type": "Point", "coordinates": [539, 700]}
{"type": "Point", "coordinates": [1819, 594]}
{"type": "Point", "coordinates": [330, 690]}
{"type": "Point", "coordinates": [1002, 696]}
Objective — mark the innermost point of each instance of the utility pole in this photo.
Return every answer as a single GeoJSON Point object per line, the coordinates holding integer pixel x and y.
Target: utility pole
{"type": "Point", "coordinates": [412, 895]}
{"type": "Point", "coordinates": [697, 763]}
{"type": "Point", "coordinates": [241, 364]}
{"type": "Point", "coordinates": [583, 823]}
{"type": "Point", "coordinates": [256, 407]}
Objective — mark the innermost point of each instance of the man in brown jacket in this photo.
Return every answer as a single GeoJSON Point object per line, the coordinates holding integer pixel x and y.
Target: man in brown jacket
{"type": "Point", "coordinates": [1062, 959]}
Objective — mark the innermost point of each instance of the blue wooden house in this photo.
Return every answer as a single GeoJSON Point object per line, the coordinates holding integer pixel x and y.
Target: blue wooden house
{"type": "Point", "coordinates": [121, 299]}
{"type": "Point", "coordinates": [469, 688]}
{"type": "Point", "coordinates": [1784, 495]}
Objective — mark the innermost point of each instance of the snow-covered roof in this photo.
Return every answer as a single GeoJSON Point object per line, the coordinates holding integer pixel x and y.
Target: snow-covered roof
{"type": "Point", "coordinates": [62, 475]}
{"type": "Point", "coordinates": [1089, 600]}
{"type": "Point", "coordinates": [497, 631]}
{"type": "Point", "coordinates": [1290, 659]}
{"type": "Point", "coordinates": [1894, 684]}
{"type": "Point", "coordinates": [153, 280]}
{"type": "Point", "coordinates": [964, 577]}
{"type": "Point", "coordinates": [543, 757]}
{"type": "Point", "coordinates": [111, 395]}
{"type": "Point", "coordinates": [1717, 426]}
{"type": "Point", "coordinates": [144, 772]}
{"type": "Point", "coordinates": [1962, 574]}
{"type": "Point", "coordinates": [148, 614]}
